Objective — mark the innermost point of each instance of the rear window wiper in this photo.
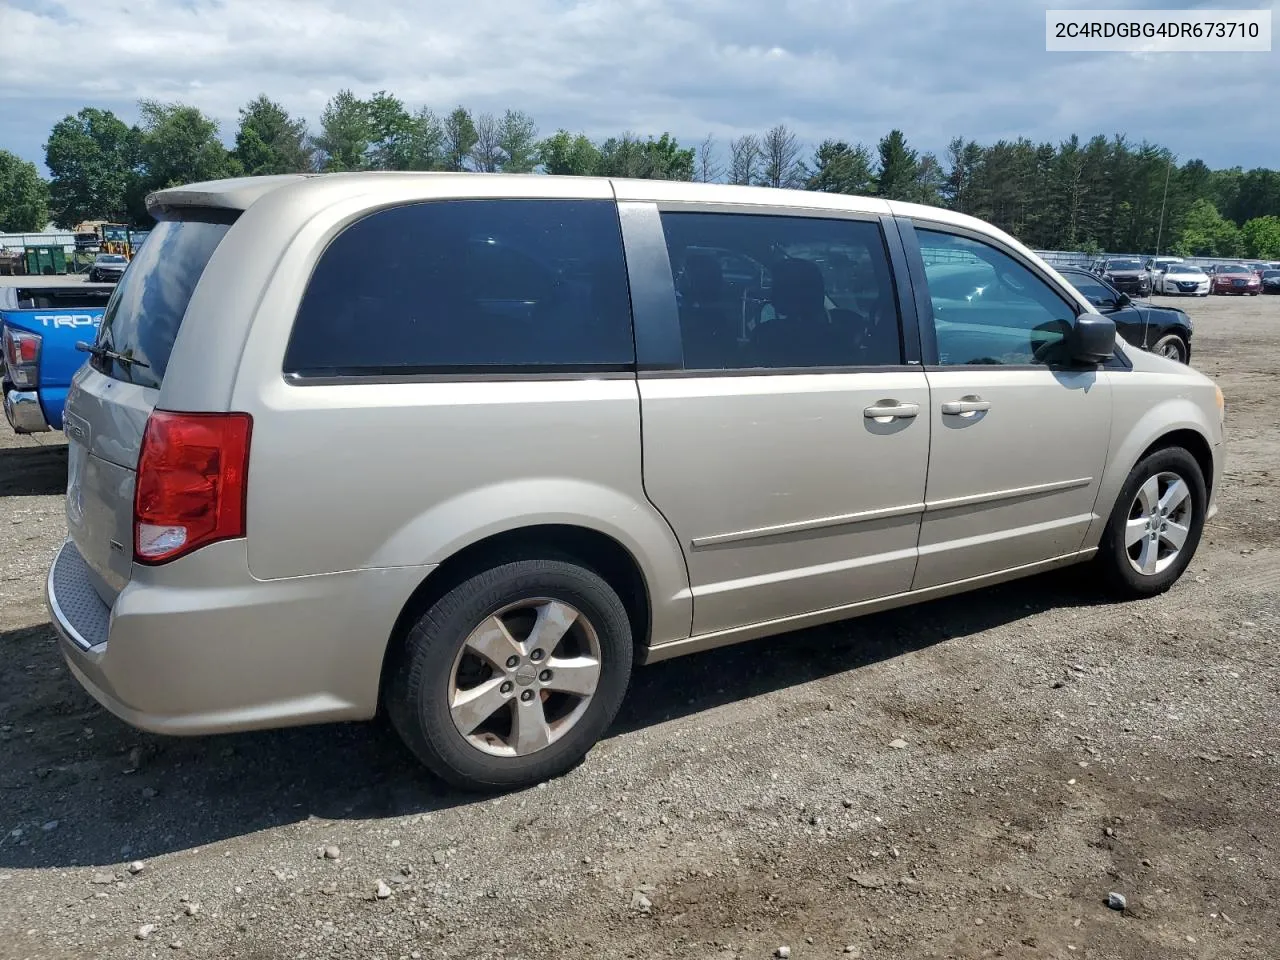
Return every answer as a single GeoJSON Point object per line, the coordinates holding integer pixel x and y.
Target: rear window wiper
{"type": "Point", "coordinates": [104, 353]}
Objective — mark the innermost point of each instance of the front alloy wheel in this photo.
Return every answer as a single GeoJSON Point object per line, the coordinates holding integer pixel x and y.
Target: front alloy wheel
{"type": "Point", "coordinates": [1155, 525]}
{"type": "Point", "coordinates": [1159, 523]}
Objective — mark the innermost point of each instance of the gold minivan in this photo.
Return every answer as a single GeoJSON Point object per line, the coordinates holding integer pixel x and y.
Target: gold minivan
{"type": "Point", "coordinates": [470, 446]}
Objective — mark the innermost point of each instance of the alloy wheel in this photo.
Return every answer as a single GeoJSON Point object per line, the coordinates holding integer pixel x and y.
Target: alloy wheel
{"type": "Point", "coordinates": [1159, 523]}
{"type": "Point", "coordinates": [524, 677]}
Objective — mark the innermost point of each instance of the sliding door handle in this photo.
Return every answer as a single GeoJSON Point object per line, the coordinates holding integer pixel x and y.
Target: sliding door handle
{"type": "Point", "coordinates": [891, 410]}
{"type": "Point", "coordinates": [969, 405]}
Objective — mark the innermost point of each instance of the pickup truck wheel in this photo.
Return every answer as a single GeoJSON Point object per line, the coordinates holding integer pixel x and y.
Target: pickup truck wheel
{"type": "Point", "coordinates": [1155, 525]}
{"type": "Point", "coordinates": [1171, 346]}
{"type": "Point", "coordinates": [513, 675]}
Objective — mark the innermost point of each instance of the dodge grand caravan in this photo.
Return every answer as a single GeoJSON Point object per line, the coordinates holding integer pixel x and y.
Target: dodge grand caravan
{"type": "Point", "coordinates": [466, 447]}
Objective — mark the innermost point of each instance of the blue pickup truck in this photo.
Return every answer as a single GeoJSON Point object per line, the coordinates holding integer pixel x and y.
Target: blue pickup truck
{"type": "Point", "coordinates": [40, 325]}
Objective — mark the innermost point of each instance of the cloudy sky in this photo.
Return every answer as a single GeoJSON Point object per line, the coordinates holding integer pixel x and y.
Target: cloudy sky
{"type": "Point", "coordinates": [850, 69]}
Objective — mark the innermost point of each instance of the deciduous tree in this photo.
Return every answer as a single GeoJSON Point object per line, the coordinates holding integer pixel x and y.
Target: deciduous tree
{"type": "Point", "coordinates": [459, 138]}
{"type": "Point", "coordinates": [93, 165]}
{"type": "Point", "coordinates": [24, 197]}
{"type": "Point", "coordinates": [780, 164]}
{"type": "Point", "coordinates": [566, 154]}
{"type": "Point", "coordinates": [518, 142]}
{"type": "Point", "coordinates": [346, 133]}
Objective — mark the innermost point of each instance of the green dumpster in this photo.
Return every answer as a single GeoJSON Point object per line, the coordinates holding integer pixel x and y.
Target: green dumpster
{"type": "Point", "coordinates": [46, 260]}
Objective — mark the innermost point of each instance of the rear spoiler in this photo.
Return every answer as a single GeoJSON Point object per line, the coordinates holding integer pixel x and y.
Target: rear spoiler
{"type": "Point", "coordinates": [230, 196]}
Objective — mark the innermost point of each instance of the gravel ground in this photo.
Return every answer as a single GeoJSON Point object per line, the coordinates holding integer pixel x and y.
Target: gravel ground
{"type": "Point", "coordinates": [968, 778]}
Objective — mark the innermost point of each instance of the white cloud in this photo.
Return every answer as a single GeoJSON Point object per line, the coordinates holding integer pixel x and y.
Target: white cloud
{"type": "Point", "coordinates": [826, 67]}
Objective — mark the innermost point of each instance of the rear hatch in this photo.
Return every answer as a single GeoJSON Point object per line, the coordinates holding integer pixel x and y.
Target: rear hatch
{"type": "Point", "coordinates": [114, 393]}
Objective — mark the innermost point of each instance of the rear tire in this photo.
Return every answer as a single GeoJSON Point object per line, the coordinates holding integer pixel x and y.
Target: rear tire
{"type": "Point", "coordinates": [485, 703]}
{"type": "Point", "coordinates": [1155, 525]}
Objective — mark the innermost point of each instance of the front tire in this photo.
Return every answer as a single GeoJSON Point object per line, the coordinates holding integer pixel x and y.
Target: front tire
{"type": "Point", "coordinates": [1155, 525]}
{"type": "Point", "coordinates": [1171, 346]}
{"type": "Point", "coordinates": [512, 676]}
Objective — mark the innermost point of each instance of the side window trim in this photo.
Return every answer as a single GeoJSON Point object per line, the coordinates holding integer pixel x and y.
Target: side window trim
{"type": "Point", "coordinates": [660, 320]}
{"type": "Point", "coordinates": [655, 322]}
{"type": "Point", "coordinates": [908, 307]}
{"type": "Point", "coordinates": [920, 291]}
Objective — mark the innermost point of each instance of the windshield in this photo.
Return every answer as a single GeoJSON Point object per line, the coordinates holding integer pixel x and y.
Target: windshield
{"type": "Point", "coordinates": [110, 258]}
{"type": "Point", "coordinates": [1233, 268]}
{"type": "Point", "coordinates": [1270, 274]}
{"type": "Point", "coordinates": [1124, 265]}
{"type": "Point", "coordinates": [1183, 268]}
{"type": "Point", "coordinates": [143, 316]}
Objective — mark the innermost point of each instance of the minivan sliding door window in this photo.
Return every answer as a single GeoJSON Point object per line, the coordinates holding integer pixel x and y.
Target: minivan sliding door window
{"type": "Point", "coordinates": [782, 292]}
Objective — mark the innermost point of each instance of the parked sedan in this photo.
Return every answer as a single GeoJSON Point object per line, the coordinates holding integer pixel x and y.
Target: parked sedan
{"type": "Point", "coordinates": [1182, 279]}
{"type": "Point", "coordinates": [1271, 281]}
{"type": "Point", "coordinates": [1234, 278]}
{"type": "Point", "coordinates": [1128, 275]}
{"type": "Point", "coordinates": [1162, 330]}
{"type": "Point", "coordinates": [107, 268]}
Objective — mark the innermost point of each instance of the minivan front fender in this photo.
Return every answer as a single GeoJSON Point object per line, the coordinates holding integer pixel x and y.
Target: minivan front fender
{"type": "Point", "coordinates": [1146, 417]}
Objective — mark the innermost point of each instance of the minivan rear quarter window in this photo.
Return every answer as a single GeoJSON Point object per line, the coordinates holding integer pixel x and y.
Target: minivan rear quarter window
{"type": "Point", "coordinates": [468, 286]}
{"type": "Point", "coordinates": [143, 316]}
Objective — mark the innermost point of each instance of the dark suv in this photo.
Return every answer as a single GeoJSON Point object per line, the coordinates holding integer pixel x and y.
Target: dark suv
{"type": "Point", "coordinates": [1128, 275]}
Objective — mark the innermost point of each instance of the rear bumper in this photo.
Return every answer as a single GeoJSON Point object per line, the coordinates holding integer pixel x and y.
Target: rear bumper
{"type": "Point", "coordinates": [23, 411]}
{"type": "Point", "coordinates": [211, 650]}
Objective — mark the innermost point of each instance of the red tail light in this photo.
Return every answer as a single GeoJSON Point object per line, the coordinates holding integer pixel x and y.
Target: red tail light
{"type": "Point", "coordinates": [22, 357]}
{"type": "Point", "coordinates": [191, 483]}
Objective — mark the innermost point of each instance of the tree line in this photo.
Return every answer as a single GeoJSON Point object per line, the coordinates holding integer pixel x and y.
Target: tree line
{"type": "Point", "coordinates": [1101, 194]}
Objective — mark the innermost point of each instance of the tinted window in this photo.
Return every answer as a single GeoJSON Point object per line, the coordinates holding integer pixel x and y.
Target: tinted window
{"type": "Point", "coordinates": [469, 285]}
{"type": "Point", "coordinates": [1097, 292]}
{"type": "Point", "coordinates": [987, 307]}
{"type": "Point", "coordinates": [764, 291]}
{"type": "Point", "coordinates": [145, 311]}
{"type": "Point", "coordinates": [45, 298]}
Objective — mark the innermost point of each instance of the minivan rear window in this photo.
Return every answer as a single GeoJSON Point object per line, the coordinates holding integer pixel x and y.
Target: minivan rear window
{"type": "Point", "coordinates": [468, 286]}
{"type": "Point", "coordinates": [144, 314]}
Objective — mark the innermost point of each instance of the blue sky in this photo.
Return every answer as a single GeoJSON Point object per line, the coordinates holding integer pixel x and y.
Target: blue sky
{"type": "Point", "coordinates": [826, 68]}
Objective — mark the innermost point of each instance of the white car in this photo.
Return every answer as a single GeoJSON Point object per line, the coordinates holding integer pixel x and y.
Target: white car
{"type": "Point", "coordinates": [1182, 279]}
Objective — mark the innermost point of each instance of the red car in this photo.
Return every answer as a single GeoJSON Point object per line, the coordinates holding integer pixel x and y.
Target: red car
{"type": "Point", "coordinates": [1234, 278]}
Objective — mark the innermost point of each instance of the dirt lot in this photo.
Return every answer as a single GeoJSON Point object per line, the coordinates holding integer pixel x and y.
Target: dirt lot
{"type": "Point", "coordinates": [1058, 748]}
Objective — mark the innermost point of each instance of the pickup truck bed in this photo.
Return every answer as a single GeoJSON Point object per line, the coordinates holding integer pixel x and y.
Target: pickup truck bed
{"type": "Point", "coordinates": [39, 328]}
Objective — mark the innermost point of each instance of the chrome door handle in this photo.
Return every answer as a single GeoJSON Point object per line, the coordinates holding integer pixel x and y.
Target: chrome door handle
{"type": "Point", "coordinates": [891, 410]}
{"type": "Point", "coordinates": [958, 408]}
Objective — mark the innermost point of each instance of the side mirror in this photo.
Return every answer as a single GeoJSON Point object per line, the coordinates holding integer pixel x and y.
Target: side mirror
{"type": "Point", "coordinates": [1123, 301]}
{"type": "Point", "coordinates": [1092, 339]}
